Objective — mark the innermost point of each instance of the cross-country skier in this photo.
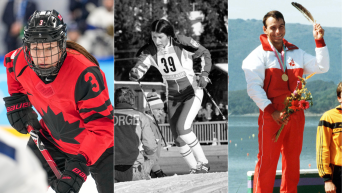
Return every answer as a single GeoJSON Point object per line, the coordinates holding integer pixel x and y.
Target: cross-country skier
{"type": "Point", "coordinates": [68, 89]}
{"type": "Point", "coordinates": [173, 56]}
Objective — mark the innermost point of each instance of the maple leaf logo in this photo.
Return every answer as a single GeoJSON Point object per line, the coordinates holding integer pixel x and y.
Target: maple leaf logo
{"type": "Point", "coordinates": [292, 63]}
{"type": "Point", "coordinates": [60, 129]}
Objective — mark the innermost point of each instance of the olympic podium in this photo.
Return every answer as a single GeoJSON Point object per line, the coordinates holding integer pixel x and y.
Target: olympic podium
{"type": "Point", "coordinates": [309, 182]}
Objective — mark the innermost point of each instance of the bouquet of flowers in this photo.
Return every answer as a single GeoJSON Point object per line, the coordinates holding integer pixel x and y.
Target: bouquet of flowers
{"type": "Point", "coordinates": [300, 99]}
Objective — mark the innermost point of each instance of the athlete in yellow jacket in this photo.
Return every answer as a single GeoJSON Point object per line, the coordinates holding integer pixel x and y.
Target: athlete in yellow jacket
{"type": "Point", "coordinates": [328, 146]}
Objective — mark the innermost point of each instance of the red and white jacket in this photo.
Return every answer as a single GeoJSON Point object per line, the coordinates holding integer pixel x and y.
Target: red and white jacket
{"type": "Point", "coordinates": [263, 72]}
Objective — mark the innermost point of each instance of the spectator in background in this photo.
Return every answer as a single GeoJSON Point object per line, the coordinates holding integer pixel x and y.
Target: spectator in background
{"type": "Point", "coordinates": [133, 139]}
{"type": "Point", "coordinates": [328, 146]}
{"type": "Point", "coordinates": [216, 116]}
{"type": "Point", "coordinates": [15, 16]}
{"type": "Point", "coordinates": [73, 33]}
{"type": "Point", "coordinates": [201, 115]}
{"type": "Point", "coordinates": [209, 112]}
{"type": "Point", "coordinates": [156, 110]}
{"type": "Point", "coordinates": [80, 10]}
{"type": "Point", "coordinates": [223, 109]}
{"type": "Point", "coordinates": [99, 37]}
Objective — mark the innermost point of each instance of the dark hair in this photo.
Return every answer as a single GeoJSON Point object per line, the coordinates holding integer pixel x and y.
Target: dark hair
{"type": "Point", "coordinates": [339, 90]}
{"type": "Point", "coordinates": [275, 14]}
{"type": "Point", "coordinates": [124, 95]}
{"type": "Point", "coordinates": [81, 50]}
{"type": "Point", "coordinates": [163, 26]}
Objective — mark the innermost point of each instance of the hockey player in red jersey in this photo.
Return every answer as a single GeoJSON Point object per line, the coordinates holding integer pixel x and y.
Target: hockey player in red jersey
{"type": "Point", "coordinates": [68, 89]}
{"type": "Point", "coordinates": [173, 56]}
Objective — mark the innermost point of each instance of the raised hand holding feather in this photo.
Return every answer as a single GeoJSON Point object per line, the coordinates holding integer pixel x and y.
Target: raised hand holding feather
{"type": "Point", "coordinates": [318, 31]}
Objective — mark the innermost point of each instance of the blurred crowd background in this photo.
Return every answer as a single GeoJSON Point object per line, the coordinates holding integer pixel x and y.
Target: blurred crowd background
{"type": "Point", "coordinates": [90, 22]}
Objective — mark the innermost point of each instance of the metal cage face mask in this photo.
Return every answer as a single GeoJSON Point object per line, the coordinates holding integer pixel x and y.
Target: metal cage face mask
{"type": "Point", "coordinates": [44, 42]}
{"type": "Point", "coordinates": [44, 58]}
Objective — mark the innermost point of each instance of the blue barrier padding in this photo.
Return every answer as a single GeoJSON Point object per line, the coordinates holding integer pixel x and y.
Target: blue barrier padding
{"type": "Point", "coordinates": [7, 150]}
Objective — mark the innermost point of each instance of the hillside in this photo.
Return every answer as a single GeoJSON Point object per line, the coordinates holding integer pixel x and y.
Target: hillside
{"type": "Point", "coordinates": [324, 98]}
{"type": "Point", "coordinates": [243, 37]}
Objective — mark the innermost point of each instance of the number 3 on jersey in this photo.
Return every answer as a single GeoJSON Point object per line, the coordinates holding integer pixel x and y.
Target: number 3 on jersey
{"type": "Point", "coordinates": [168, 63]}
{"type": "Point", "coordinates": [91, 78]}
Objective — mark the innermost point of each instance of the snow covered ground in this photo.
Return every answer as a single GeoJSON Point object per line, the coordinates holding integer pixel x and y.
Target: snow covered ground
{"type": "Point", "coordinates": [191, 183]}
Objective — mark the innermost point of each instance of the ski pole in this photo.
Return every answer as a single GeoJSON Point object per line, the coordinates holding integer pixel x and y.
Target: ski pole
{"type": "Point", "coordinates": [44, 151]}
{"type": "Point", "coordinates": [148, 104]}
{"type": "Point", "coordinates": [212, 100]}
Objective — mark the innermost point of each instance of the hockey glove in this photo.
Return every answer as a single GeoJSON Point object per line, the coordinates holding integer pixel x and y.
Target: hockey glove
{"type": "Point", "coordinates": [133, 74]}
{"type": "Point", "coordinates": [20, 113]}
{"type": "Point", "coordinates": [74, 175]}
{"type": "Point", "coordinates": [203, 81]}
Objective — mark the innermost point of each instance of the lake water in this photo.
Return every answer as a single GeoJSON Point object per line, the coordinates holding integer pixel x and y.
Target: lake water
{"type": "Point", "coordinates": [241, 131]}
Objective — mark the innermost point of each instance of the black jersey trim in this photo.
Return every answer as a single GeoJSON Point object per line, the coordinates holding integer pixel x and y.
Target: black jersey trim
{"type": "Point", "coordinates": [8, 59]}
{"type": "Point", "coordinates": [330, 125]}
{"type": "Point", "coordinates": [97, 109]}
{"type": "Point", "coordinates": [10, 70]}
{"type": "Point", "coordinates": [14, 63]}
{"type": "Point", "coordinates": [22, 70]}
{"type": "Point", "coordinates": [96, 116]}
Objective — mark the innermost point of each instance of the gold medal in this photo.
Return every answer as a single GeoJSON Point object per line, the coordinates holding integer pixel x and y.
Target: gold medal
{"type": "Point", "coordinates": [284, 77]}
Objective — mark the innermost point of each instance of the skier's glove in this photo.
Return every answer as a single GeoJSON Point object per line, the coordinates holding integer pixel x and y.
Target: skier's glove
{"type": "Point", "coordinates": [133, 74]}
{"type": "Point", "coordinates": [20, 113]}
{"type": "Point", "coordinates": [74, 175]}
{"type": "Point", "coordinates": [203, 81]}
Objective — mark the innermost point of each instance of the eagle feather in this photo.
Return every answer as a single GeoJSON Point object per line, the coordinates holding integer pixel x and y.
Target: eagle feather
{"type": "Point", "coordinates": [304, 11]}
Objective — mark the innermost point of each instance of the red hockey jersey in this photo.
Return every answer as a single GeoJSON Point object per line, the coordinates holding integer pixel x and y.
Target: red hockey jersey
{"type": "Point", "coordinates": [77, 115]}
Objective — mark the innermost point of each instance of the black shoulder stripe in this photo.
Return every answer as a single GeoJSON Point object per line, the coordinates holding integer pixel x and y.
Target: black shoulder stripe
{"type": "Point", "coordinates": [97, 116]}
{"type": "Point", "coordinates": [22, 70]}
{"type": "Point", "coordinates": [8, 59]}
{"type": "Point", "coordinates": [97, 109]}
{"type": "Point", "coordinates": [330, 125]}
{"type": "Point", "coordinates": [14, 63]}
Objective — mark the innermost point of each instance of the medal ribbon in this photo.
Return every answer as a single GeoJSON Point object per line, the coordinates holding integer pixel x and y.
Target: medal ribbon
{"type": "Point", "coordinates": [283, 57]}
